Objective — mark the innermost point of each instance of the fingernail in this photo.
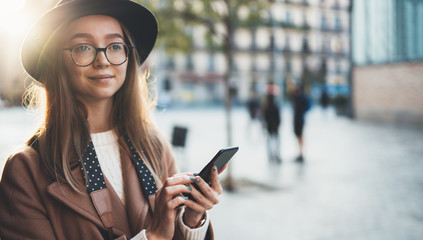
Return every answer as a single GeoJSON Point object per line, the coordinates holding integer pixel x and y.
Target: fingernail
{"type": "Point", "coordinates": [185, 198]}
{"type": "Point", "coordinates": [192, 178]}
{"type": "Point", "coordinates": [189, 188]}
{"type": "Point", "coordinates": [214, 168]}
{"type": "Point", "coordinates": [198, 180]}
{"type": "Point", "coordinates": [196, 174]}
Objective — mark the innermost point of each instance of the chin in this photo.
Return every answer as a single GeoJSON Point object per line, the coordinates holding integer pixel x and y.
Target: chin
{"type": "Point", "coordinates": [102, 95]}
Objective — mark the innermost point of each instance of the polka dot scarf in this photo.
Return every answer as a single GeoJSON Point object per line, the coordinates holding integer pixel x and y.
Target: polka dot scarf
{"type": "Point", "coordinates": [95, 179]}
{"type": "Point", "coordinates": [144, 174]}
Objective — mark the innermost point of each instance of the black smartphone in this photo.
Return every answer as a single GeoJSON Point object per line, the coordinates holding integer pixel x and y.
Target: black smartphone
{"type": "Point", "coordinates": [221, 160]}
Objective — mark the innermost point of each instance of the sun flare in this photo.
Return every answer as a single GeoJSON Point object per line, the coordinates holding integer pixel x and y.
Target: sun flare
{"type": "Point", "coordinates": [13, 21]}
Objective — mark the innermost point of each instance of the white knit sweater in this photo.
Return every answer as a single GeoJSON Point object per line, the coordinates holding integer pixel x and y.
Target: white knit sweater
{"type": "Point", "coordinates": [107, 149]}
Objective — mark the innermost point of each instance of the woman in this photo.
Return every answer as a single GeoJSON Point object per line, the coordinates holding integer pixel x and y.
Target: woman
{"type": "Point", "coordinates": [98, 168]}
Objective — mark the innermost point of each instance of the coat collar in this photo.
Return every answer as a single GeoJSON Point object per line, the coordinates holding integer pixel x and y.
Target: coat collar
{"type": "Point", "coordinates": [127, 221]}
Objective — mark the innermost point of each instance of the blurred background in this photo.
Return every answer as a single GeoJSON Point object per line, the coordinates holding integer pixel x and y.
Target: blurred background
{"type": "Point", "coordinates": [348, 73]}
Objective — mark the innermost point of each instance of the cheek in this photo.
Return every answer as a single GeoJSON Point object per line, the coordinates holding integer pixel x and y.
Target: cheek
{"type": "Point", "coordinates": [68, 63]}
{"type": "Point", "coordinates": [73, 72]}
{"type": "Point", "coordinates": [69, 66]}
{"type": "Point", "coordinates": [123, 71]}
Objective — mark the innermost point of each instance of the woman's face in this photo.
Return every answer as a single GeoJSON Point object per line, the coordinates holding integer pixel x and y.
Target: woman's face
{"type": "Point", "coordinates": [101, 79]}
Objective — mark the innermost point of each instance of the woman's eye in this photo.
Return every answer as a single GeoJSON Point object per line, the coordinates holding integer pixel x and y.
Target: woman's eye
{"type": "Point", "coordinates": [82, 48]}
{"type": "Point", "coordinates": [116, 47]}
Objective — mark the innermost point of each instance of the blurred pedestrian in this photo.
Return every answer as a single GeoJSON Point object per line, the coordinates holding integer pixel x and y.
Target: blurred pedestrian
{"type": "Point", "coordinates": [324, 99]}
{"type": "Point", "coordinates": [301, 104]}
{"type": "Point", "coordinates": [98, 168]}
{"type": "Point", "coordinates": [324, 102]}
{"type": "Point", "coordinates": [272, 120]}
{"type": "Point", "coordinates": [253, 105]}
{"type": "Point", "coordinates": [254, 112]}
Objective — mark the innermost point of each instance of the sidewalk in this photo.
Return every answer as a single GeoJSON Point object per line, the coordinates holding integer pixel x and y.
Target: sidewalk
{"type": "Point", "coordinates": [359, 180]}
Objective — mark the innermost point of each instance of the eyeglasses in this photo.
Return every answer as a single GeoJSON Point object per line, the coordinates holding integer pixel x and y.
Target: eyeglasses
{"type": "Point", "coordinates": [84, 54]}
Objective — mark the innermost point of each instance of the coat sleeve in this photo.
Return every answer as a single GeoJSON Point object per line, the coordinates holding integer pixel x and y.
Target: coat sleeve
{"type": "Point", "coordinates": [22, 215]}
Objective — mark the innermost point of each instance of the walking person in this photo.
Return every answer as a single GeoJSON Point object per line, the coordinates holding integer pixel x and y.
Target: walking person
{"type": "Point", "coordinates": [254, 112]}
{"type": "Point", "coordinates": [253, 105]}
{"type": "Point", "coordinates": [272, 120]}
{"type": "Point", "coordinates": [98, 168]}
{"type": "Point", "coordinates": [301, 104]}
{"type": "Point", "coordinates": [324, 99]}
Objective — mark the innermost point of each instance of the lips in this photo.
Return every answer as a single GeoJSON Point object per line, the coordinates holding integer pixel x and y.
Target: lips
{"type": "Point", "coordinates": [101, 77]}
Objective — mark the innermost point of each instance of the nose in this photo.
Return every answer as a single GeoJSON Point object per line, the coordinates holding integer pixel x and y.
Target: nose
{"type": "Point", "coordinates": [101, 59]}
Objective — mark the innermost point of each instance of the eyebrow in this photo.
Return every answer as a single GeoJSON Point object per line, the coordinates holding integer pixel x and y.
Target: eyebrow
{"type": "Point", "coordinates": [87, 35]}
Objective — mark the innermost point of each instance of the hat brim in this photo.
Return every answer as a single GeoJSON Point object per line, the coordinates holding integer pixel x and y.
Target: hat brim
{"type": "Point", "coordinates": [139, 21]}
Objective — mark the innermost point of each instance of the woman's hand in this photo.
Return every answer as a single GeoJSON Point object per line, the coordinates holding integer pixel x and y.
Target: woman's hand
{"type": "Point", "coordinates": [195, 210]}
{"type": "Point", "coordinates": [168, 198]}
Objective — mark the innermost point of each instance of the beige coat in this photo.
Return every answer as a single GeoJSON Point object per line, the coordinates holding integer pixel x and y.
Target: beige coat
{"type": "Point", "coordinates": [34, 207]}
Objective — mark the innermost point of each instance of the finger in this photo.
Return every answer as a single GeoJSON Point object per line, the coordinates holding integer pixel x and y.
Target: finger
{"type": "Point", "coordinates": [203, 202]}
{"type": "Point", "coordinates": [223, 168]}
{"type": "Point", "coordinates": [204, 186]}
{"type": "Point", "coordinates": [190, 174]}
{"type": "Point", "coordinates": [176, 202]}
{"type": "Point", "coordinates": [182, 179]}
{"type": "Point", "coordinates": [215, 182]}
{"type": "Point", "coordinates": [195, 206]}
{"type": "Point", "coordinates": [207, 197]}
{"type": "Point", "coordinates": [171, 191]}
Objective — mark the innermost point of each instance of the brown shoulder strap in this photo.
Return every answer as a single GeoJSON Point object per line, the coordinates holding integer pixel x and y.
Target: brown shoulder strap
{"type": "Point", "coordinates": [103, 205]}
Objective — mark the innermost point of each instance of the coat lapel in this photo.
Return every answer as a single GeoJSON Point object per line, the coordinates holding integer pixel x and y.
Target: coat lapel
{"type": "Point", "coordinates": [120, 218]}
{"type": "Point", "coordinates": [83, 205]}
{"type": "Point", "coordinates": [78, 202]}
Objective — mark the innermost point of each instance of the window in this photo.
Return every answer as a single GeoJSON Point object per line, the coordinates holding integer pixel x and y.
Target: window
{"type": "Point", "coordinates": [387, 31]}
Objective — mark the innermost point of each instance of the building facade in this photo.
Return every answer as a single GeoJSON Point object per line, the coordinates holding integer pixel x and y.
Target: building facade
{"type": "Point", "coordinates": [299, 42]}
{"type": "Point", "coordinates": [388, 58]}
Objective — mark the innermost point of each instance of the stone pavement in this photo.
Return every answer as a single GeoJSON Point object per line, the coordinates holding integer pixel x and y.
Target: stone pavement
{"type": "Point", "coordinates": [358, 181]}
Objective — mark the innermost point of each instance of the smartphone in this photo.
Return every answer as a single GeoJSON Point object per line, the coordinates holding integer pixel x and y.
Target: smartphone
{"type": "Point", "coordinates": [221, 160]}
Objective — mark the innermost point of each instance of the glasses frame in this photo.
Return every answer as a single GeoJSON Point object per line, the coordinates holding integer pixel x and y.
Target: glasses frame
{"type": "Point", "coordinates": [127, 48]}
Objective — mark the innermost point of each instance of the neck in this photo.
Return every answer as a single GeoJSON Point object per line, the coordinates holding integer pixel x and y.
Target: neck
{"type": "Point", "coordinates": [99, 115]}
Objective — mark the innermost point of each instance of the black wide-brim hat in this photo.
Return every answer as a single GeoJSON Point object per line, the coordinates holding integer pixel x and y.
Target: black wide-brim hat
{"type": "Point", "coordinates": [139, 21]}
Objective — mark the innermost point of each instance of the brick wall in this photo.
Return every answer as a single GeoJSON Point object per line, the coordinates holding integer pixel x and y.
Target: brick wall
{"type": "Point", "coordinates": [389, 93]}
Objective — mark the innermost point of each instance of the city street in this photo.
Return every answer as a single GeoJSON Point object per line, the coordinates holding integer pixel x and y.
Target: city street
{"type": "Point", "coordinates": [358, 181]}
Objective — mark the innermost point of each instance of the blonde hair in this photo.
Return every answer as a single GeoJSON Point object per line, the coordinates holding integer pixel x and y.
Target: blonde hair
{"type": "Point", "coordinates": [64, 135]}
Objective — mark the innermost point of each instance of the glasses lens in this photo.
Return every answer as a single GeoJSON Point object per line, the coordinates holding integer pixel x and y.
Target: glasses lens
{"type": "Point", "coordinates": [116, 53]}
{"type": "Point", "coordinates": [83, 54]}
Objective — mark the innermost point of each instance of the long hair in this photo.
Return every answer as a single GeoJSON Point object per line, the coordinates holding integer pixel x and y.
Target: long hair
{"type": "Point", "coordinates": [64, 135]}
